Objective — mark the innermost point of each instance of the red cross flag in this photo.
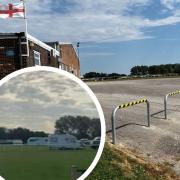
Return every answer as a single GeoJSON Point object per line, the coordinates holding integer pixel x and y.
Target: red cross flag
{"type": "Point", "coordinates": [15, 10]}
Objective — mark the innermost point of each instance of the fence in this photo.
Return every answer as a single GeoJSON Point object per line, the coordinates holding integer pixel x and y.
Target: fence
{"type": "Point", "coordinates": [125, 106]}
{"type": "Point", "coordinates": [166, 99]}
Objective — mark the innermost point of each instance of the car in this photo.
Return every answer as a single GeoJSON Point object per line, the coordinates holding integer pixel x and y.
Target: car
{"type": "Point", "coordinates": [85, 142]}
{"type": "Point", "coordinates": [95, 142]}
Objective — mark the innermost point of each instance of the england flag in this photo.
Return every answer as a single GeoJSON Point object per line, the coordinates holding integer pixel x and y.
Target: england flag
{"type": "Point", "coordinates": [15, 10]}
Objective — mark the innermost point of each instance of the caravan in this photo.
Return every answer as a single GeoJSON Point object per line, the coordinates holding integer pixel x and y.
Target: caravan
{"type": "Point", "coordinates": [37, 141]}
{"type": "Point", "coordinates": [63, 141]}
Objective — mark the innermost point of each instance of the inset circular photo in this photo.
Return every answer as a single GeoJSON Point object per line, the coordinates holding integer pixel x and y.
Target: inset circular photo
{"type": "Point", "coordinates": [51, 126]}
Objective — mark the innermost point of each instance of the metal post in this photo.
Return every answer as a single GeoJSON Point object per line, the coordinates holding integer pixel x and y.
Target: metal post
{"type": "Point", "coordinates": [165, 105]}
{"type": "Point", "coordinates": [114, 125]}
{"type": "Point", "coordinates": [113, 117]}
{"type": "Point", "coordinates": [78, 44]}
{"type": "Point", "coordinates": [26, 27]}
{"type": "Point", "coordinates": [148, 113]}
{"type": "Point", "coordinates": [20, 52]}
{"type": "Point", "coordinates": [73, 172]}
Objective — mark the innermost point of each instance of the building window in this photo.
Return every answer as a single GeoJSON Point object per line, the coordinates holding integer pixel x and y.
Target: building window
{"type": "Point", "coordinates": [37, 58]}
{"type": "Point", "coordinates": [10, 52]}
{"type": "Point", "coordinates": [49, 58]}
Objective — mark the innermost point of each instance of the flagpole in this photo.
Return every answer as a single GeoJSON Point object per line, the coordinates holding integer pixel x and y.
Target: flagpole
{"type": "Point", "coordinates": [26, 27]}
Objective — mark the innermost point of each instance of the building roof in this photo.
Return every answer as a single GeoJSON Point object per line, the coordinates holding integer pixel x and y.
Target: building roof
{"type": "Point", "coordinates": [63, 44]}
{"type": "Point", "coordinates": [30, 38]}
{"type": "Point", "coordinates": [42, 44]}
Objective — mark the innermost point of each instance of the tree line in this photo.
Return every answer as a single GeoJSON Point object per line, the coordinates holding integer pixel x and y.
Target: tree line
{"type": "Point", "coordinates": [156, 69]}
{"type": "Point", "coordinates": [138, 71]}
{"type": "Point", "coordinates": [102, 75]}
{"type": "Point", "coordinates": [20, 133]}
{"type": "Point", "coordinates": [78, 126]}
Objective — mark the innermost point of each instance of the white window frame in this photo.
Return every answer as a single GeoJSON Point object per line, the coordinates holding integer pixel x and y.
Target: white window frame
{"type": "Point", "coordinates": [38, 59]}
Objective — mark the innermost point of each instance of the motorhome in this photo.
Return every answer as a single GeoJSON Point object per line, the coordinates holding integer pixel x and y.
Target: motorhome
{"type": "Point", "coordinates": [63, 141]}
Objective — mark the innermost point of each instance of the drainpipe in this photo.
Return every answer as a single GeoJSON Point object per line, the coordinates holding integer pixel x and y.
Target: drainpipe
{"type": "Point", "coordinates": [20, 51]}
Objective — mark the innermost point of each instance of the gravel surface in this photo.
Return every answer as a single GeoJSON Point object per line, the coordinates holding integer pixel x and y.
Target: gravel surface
{"type": "Point", "coordinates": [160, 142]}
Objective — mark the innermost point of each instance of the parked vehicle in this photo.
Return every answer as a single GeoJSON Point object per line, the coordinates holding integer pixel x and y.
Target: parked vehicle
{"type": "Point", "coordinates": [63, 141]}
{"type": "Point", "coordinates": [11, 142]}
{"type": "Point", "coordinates": [85, 142]}
{"type": "Point", "coordinates": [38, 141]}
{"type": "Point", "coordinates": [95, 142]}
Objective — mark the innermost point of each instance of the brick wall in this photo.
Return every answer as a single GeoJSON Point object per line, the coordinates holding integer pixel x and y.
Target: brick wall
{"type": "Point", "coordinates": [70, 59]}
{"type": "Point", "coordinates": [9, 56]}
{"type": "Point", "coordinates": [11, 51]}
{"type": "Point", "coordinates": [47, 58]}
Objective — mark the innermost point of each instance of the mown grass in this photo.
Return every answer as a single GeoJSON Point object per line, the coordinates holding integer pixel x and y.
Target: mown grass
{"type": "Point", "coordinates": [40, 163]}
{"type": "Point", "coordinates": [123, 164]}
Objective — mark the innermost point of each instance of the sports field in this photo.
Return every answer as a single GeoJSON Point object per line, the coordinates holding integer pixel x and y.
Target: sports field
{"type": "Point", "coordinates": [40, 163]}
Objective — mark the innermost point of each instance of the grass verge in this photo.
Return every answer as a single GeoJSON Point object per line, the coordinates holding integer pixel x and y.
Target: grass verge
{"type": "Point", "coordinates": [124, 164]}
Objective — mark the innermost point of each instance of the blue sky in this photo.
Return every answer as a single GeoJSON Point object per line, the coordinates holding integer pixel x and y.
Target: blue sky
{"type": "Point", "coordinates": [114, 34]}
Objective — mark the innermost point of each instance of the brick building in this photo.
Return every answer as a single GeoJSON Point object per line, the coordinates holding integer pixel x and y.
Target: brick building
{"type": "Point", "coordinates": [16, 53]}
{"type": "Point", "coordinates": [69, 58]}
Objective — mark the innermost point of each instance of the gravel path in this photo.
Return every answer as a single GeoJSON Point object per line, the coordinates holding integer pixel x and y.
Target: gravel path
{"type": "Point", "coordinates": [160, 142]}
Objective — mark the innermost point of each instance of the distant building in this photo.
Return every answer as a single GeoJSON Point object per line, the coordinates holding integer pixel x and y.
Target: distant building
{"type": "Point", "coordinates": [68, 55]}
{"type": "Point", "coordinates": [14, 54]}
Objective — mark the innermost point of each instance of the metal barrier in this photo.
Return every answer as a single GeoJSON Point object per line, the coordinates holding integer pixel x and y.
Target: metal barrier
{"type": "Point", "coordinates": [125, 106]}
{"type": "Point", "coordinates": [165, 101]}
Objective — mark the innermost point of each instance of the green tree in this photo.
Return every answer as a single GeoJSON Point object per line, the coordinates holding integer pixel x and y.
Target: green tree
{"type": "Point", "coordinates": [79, 126]}
{"type": "Point", "coordinates": [2, 133]}
{"type": "Point", "coordinates": [20, 133]}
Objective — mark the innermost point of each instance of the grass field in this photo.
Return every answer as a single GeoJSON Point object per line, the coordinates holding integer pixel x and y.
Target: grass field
{"type": "Point", "coordinates": [40, 163]}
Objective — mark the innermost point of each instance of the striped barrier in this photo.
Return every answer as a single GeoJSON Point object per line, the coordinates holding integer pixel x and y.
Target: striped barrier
{"type": "Point", "coordinates": [132, 103]}
{"type": "Point", "coordinates": [174, 93]}
{"type": "Point", "coordinates": [126, 105]}
{"type": "Point", "coordinates": [166, 99]}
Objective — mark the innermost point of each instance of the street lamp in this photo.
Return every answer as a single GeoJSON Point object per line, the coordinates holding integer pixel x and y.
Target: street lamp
{"type": "Point", "coordinates": [78, 44]}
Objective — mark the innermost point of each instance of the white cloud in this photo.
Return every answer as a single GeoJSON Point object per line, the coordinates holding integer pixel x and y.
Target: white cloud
{"type": "Point", "coordinates": [36, 100]}
{"type": "Point", "coordinates": [89, 20]}
{"type": "Point", "coordinates": [170, 4]}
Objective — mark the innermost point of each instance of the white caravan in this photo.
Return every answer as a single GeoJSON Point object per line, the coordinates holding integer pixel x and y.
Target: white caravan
{"type": "Point", "coordinates": [11, 142]}
{"type": "Point", "coordinates": [38, 141]}
{"type": "Point", "coordinates": [63, 141]}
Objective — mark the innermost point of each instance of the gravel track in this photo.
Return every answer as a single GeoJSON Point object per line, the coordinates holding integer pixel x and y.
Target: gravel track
{"type": "Point", "coordinates": [160, 142]}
